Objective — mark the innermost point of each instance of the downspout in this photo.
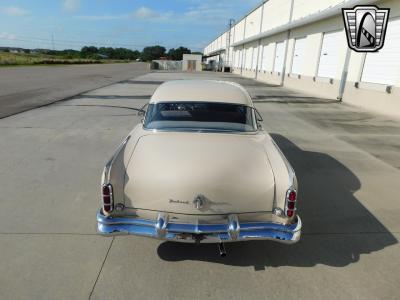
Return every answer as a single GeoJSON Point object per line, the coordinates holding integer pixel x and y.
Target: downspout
{"type": "Point", "coordinates": [233, 48]}
{"type": "Point", "coordinates": [259, 41]}
{"type": "Point", "coordinates": [287, 45]}
{"type": "Point", "coordinates": [345, 72]}
{"type": "Point", "coordinates": [243, 53]}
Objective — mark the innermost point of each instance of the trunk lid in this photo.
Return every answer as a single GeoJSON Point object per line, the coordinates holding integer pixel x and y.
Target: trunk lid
{"type": "Point", "coordinates": [200, 174]}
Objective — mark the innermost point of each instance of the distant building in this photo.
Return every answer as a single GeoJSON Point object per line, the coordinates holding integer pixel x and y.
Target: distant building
{"type": "Point", "coordinates": [192, 62]}
{"type": "Point", "coordinates": [16, 50]}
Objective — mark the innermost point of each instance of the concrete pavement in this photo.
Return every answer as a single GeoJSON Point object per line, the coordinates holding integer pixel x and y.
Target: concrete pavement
{"type": "Point", "coordinates": [347, 162]}
{"type": "Point", "coordinates": [24, 88]}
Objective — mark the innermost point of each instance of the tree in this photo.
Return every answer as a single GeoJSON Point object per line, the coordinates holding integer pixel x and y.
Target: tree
{"type": "Point", "coordinates": [153, 53]}
{"type": "Point", "coordinates": [89, 51]}
{"type": "Point", "coordinates": [177, 54]}
{"type": "Point", "coordinates": [69, 54]}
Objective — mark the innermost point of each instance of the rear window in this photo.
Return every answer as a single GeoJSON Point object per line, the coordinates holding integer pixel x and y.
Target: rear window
{"type": "Point", "coordinates": [200, 116]}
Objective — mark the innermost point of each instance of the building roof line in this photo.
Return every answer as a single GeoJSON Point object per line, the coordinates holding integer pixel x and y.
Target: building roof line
{"type": "Point", "coordinates": [315, 17]}
{"type": "Point", "coordinates": [240, 20]}
{"type": "Point", "coordinates": [320, 15]}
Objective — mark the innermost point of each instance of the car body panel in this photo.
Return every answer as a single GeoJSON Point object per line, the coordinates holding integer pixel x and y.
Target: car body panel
{"type": "Point", "coordinates": [170, 170]}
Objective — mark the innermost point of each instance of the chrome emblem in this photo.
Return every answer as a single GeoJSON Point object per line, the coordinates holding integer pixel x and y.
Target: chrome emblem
{"type": "Point", "coordinates": [366, 27]}
{"type": "Point", "coordinates": [178, 201]}
{"type": "Point", "coordinates": [199, 202]}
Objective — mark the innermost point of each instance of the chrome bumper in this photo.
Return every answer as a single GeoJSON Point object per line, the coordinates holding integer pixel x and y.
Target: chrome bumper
{"type": "Point", "coordinates": [232, 231]}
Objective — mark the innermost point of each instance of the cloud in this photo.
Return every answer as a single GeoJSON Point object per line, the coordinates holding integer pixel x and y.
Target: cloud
{"type": "Point", "coordinates": [142, 13]}
{"type": "Point", "coordinates": [149, 14]}
{"type": "Point", "coordinates": [7, 36]}
{"type": "Point", "coordinates": [204, 12]}
{"type": "Point", "coordinates": [145, 13]}
{"type": "Point", "coordinates": [103, 17]}
{"type": "Point", "coordinates": [71, 5]}
{"type": "Point", "coordinates": [14, 11]}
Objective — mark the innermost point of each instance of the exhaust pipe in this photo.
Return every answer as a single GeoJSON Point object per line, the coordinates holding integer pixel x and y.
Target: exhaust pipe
{"type": "Point", "coordinates": [221, 250]}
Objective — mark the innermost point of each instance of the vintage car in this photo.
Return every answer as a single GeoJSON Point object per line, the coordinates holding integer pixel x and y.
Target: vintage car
{"type": "Point", "coordinates": [200, 168]}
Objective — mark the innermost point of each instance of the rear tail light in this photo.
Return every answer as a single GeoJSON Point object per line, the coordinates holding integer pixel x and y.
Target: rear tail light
{"type": "Point", "coordinates": [291, 199]}
{"type": "Point", "coordinates": [107, 195]}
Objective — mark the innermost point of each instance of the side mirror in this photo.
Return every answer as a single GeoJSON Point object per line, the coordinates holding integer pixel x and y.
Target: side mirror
{"type": "Point", "coordinates": [142, 110]}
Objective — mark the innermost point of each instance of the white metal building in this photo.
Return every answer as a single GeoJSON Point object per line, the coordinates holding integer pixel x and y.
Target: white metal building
{"type": "Point", "coordinates": [192, 62]}
{"type": "Point", "coordinates": [302, 45]}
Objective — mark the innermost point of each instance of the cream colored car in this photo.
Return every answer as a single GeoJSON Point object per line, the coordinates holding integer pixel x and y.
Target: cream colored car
{"type": "Point", "coordinates": [200, 168]}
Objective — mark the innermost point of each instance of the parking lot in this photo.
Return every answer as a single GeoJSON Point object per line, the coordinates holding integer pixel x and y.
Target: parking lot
{"type": "Point", "coordinates": [347, 162]}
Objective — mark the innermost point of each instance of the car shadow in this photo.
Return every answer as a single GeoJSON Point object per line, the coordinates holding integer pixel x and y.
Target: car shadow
{"type": "Point", "coordinates": [337, 228]}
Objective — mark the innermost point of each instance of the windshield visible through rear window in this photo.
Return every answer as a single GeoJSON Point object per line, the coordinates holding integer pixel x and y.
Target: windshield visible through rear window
{"type": "Point", "coordinates": [200, 116]}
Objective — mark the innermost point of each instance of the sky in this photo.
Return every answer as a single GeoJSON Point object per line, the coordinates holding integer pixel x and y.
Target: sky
{"type": "Point", "coordinates": [133, 24]}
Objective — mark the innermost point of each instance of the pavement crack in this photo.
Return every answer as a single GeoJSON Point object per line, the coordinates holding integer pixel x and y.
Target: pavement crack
{"type": "Point", "coordinates": [101, 269]}
{"type": "Point", "coordinates": [101, 105]}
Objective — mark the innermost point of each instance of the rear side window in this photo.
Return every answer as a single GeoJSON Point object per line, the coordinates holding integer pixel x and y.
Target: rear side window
{"type": "Point", "coordinates": [200, 116]}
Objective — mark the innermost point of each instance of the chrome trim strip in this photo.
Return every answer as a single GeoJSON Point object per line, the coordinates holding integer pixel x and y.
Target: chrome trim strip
{"type": "Point", "coordinates": [231, 231]}
{"type": "Point", "coordinates": [291, 172]}
{"type": "Point", "coordinates": [107, 168]}
{"type": "Point", "coordinates": [195, 130]}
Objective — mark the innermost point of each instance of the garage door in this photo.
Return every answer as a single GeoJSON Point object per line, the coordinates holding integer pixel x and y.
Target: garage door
{"type": "Point", "coordinates": [384, 66]}
{"type": "Point", "coordinates": [268, 58]}
{"type": "Point", "coordinates": [241, 58]}
{"type": "Point", "coordinates": [330, 51]}
{"type": "Point", "coordinates": [298, 56]}
{"type": "Point", "coordinates": [255, 57]}
{"type": "Point", "coordinates": [248, 58]}
{"type": "Point", "coordinates": [279, 57]}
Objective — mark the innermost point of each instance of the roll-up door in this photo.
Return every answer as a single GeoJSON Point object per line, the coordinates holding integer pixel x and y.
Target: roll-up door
{"type": "Point", "coordinates": [268, 58]}
{"type": "Point", "coordinates": [279, 57]}
{"type": "Point", "coordinates": [298, 56]}
{"type": "Point", "coordinates": [384, 66]}
{"type": "Point", "coordinates": [248, 58]}
{"type": "Point", "coordinates": [255, 57]}
{"type": "Point", "coordinates": [330, 52]}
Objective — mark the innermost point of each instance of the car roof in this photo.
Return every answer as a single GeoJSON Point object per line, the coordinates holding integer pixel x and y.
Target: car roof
{"type": "Point", "coordinates": [201, 91]}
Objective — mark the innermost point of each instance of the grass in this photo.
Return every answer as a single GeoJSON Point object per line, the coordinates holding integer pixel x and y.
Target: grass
{"type": "Point", "coordinates": [24, 59]}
